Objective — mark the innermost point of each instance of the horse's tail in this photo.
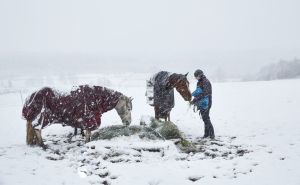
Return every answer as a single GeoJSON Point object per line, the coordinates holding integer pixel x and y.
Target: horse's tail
{"type": "Point", "coordinates": [35, 102]}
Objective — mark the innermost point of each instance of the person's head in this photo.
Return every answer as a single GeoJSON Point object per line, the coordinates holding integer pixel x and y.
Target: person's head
{"type": "Point", "coordinates": [198, 74]}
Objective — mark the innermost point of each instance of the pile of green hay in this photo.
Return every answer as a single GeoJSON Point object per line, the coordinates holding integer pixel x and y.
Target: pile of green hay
{"type": "Point", "coordinates": [156, 130]}
{"type": "Point", "coordinates": [120, 130]}
{"type": "Point", "coordinates": [167, 129]}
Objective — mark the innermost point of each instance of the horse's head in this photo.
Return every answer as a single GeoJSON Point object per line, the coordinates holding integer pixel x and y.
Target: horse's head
{"type": "Point", "coordinates": [180, 82]}
{"type": "Point", "coordinates": [124, 107]}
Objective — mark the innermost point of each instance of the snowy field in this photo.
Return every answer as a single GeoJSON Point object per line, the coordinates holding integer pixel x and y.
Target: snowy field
{"type": "Point", "coordinates": [257, 127]}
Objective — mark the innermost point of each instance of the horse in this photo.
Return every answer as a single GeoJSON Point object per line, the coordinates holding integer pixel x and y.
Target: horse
{"type": "Point", "coordinates": [81, 108]}
{"type": "Point", "coordinates": [164, 83]}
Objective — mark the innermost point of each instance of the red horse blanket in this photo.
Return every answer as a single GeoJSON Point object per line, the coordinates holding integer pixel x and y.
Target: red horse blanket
{"type": "Point", "coordinates": [81, 108]}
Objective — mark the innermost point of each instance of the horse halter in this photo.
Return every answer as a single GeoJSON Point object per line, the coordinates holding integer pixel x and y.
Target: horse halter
{"type": "Point", "coordinates": [177, 81]}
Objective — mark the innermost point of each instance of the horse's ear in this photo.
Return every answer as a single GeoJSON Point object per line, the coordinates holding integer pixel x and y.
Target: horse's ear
{"type": "Point", "coordinates": [186, 74]}
{"type": "Point", "coordinates": [130, 98]}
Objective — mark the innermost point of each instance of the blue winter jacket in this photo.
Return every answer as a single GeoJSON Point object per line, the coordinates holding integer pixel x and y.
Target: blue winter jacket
{"type": "Point", "coordinates": [203, 102]}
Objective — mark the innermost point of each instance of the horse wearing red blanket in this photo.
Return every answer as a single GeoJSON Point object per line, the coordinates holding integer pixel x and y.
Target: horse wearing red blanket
{"type": "Point", "coordinates": [81, 108]}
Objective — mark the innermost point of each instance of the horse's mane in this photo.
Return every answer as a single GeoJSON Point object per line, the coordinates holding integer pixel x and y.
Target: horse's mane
{"type": "Point", "coordinates": [174, 78]}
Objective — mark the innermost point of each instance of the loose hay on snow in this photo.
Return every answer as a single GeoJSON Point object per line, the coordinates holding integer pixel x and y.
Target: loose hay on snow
{"type": "Point", "coordinates": [156, 130]}
{"type": "Point", "coordinates": [119, 130]}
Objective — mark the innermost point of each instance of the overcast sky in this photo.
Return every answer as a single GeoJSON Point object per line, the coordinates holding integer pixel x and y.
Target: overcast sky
{"type": "Point", "coordinates": [162, 29]}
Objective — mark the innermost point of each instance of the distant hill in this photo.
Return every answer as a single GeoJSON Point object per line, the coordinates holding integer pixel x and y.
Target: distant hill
{"type": "Point", "coordinates": [280, 70]}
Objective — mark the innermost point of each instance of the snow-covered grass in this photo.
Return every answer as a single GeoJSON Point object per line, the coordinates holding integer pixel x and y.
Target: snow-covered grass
{"type": "Point", "coordinates": [257, 125]}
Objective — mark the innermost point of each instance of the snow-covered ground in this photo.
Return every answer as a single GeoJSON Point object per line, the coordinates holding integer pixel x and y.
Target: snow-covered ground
{"type": "Point", "coordinates": [257, 127]}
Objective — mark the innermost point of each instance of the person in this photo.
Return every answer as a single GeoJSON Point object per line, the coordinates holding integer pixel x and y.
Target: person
{"type": "Point", "coordinates": [203, 101]}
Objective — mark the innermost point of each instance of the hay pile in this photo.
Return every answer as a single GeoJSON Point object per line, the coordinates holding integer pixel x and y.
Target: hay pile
{"type": "Point", "coordinates": [120, 130]}
{"type": "Point", "coordinates": [154, 130]}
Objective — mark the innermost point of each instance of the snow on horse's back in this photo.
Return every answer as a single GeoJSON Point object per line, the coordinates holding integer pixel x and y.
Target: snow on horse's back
{"type": "Point", "coordinates": [81, 108]}
{"type": "Point", "coordinates": [163, 84]}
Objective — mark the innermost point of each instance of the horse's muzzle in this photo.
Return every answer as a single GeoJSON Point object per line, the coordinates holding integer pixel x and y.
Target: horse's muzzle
{"type": "Point", "coordinates": [188, 98]}
{"type": "Point", "coordinates": [126, 123]}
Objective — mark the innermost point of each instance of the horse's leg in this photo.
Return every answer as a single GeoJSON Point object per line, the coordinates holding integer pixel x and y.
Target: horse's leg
{"type": "Point", "coordinates": [156, 113]}
{"type": "Point", "coordinates": [30, 134]}
{"type": "Point", "coordinates": [168, 116]}
{"type": "Point", "coordinates": [75, 131]}
{"type": "Point", "coordinates": [87, 136]}
{"type": "Point", "coordinates": [82, 132]}
{"type": "Point", "coordinates": [38, 134]}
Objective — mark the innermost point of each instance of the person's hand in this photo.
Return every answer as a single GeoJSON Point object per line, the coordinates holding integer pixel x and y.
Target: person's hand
{"type": "Point", "coordinates": [190, 104]}
{"type": "Point", "coordinates": [193, 102]}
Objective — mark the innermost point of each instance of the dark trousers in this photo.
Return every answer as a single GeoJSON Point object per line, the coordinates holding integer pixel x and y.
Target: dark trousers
{"type": "Point", "coordinates": [208, 127]}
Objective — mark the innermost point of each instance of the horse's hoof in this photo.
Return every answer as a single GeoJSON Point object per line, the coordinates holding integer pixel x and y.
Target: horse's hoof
{"type": "Point", "coordinates": [44, 147]}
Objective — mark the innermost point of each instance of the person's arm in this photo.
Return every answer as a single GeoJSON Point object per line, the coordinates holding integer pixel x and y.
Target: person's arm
{"type": "Point", "coordinates": [206, 90]}
{"type": "Point", "coordinates": [196, 94]}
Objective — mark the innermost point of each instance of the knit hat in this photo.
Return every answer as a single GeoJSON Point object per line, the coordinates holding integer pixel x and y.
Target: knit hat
{"type": "Point", "coordinates": [198, 72]}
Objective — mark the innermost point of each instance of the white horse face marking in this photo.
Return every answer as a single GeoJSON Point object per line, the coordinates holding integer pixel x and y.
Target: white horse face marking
{"type": "Point", "coordinates": [124, 108]}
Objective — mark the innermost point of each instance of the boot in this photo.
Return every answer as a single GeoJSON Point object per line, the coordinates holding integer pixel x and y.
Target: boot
{"type": "Point", "coordinates": [211, 132]}
{"type": "Point", "coordinates": [206, 133]}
